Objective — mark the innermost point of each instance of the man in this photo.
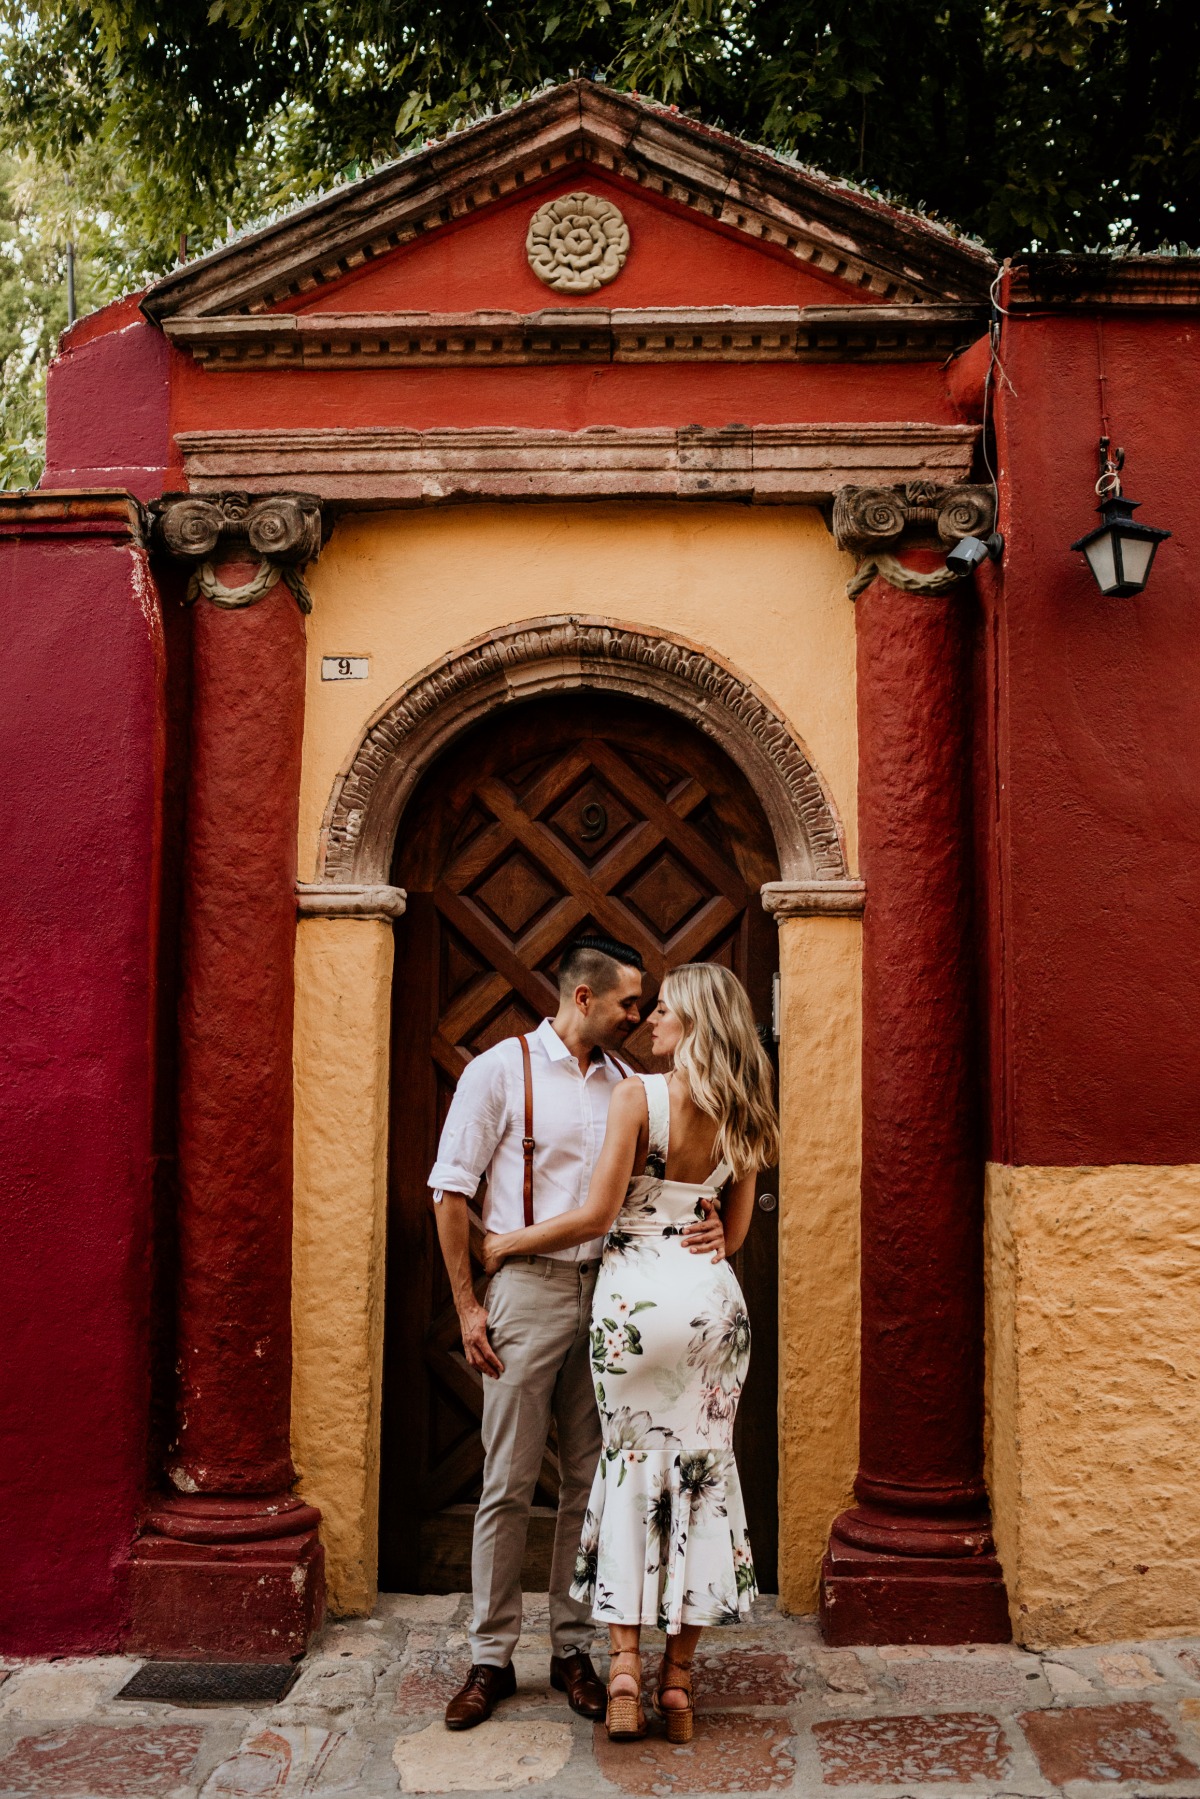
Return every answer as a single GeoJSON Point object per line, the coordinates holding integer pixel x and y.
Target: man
{"type": "Point", "coordinates": [531, 1342]}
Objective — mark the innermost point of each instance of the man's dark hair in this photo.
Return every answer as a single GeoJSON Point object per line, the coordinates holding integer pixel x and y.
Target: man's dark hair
{"type": "Point", "coordinates": [595, 962]}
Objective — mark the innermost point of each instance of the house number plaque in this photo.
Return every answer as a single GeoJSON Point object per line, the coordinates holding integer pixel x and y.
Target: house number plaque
{"type": "Point", "coordinates": [345, 668]}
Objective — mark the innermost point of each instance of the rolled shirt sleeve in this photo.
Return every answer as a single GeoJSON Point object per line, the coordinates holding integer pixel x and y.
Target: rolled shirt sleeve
{"type": "Point", "coordinates": [474, 1125]}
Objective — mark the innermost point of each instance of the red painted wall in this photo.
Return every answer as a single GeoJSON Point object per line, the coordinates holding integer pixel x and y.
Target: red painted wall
{"type": "Point", "coordinates": [118, 392]}
{"type": "Point", "coordinates": [677, 258]}
{"type": "Point", "coordinates": [563, 398]}
{"type": "Point", "coordinates": [80, 735]}
{"type": "Point", "coordinates": [1094, 895]}
{"type": "Point", "coordinates": [107, 404]}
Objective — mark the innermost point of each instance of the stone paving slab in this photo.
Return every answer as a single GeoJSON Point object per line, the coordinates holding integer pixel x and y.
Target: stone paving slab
{"type": "Point", "coordinates": [778, 1712]}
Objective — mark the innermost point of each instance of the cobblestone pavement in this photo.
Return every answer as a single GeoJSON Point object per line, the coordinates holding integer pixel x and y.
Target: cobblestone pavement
{"type": "Point", "coordinates": [778, 1713]}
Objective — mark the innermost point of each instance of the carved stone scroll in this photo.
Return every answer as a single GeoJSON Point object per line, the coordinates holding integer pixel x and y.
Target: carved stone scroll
{"type": "Point", "coordinates": [873, 522]}
{"type": "Point", "coordinates": [230, 344]}
{"type": "Point", "coordinates": [552, 655]}
{"type": "Point", "coordinates": [284, 530]}
{"type": "Point", "coordinates": [868, 519]}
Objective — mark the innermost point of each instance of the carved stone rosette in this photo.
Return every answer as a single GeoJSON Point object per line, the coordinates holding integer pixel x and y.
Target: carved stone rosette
{"type": "Point", "coordinates": [577, 243]}
{"type": "Point", "coordinates": [875, 522]}
{"type": "Point", "coordinates": [283, 530]}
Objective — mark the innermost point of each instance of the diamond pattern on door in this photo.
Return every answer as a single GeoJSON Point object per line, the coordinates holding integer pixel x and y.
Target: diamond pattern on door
{"type": "Point", "coordinates": [514, 893]}
{"type": "Point", "coordinates": [591, 819]}
{"type": "Point", "coordinates": [664, 894]}
{"type": "Point", "coordinates": [557, 818]}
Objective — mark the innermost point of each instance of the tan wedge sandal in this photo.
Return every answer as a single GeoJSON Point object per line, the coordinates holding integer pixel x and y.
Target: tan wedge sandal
{"type": "Point", "coordinates": [679, 1719]}
{"type": "Point", "coordinates": [625, 1720]}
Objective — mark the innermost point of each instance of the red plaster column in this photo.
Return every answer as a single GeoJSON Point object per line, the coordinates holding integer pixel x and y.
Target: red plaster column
{"type": "Point", "coordinates": [230, 1565]}
{"type": "Point", "coordinates": [914, 1561]}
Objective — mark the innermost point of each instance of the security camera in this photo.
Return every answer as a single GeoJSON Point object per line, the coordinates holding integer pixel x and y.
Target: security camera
{"type": "Point", "coordinates": [969, 552]}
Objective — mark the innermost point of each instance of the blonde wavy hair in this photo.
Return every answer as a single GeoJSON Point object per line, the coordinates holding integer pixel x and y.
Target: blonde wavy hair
{"type": "Point", "coordinates": [724, 1063]}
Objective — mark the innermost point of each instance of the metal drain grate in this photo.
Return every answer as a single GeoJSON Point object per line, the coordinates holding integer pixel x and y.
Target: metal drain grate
{"type": "Point", "coordinates": [212, 1683]}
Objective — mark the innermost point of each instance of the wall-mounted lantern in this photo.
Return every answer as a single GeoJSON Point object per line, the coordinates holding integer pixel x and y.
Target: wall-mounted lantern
{"type": "Point", "coordinates": [1120, 552]}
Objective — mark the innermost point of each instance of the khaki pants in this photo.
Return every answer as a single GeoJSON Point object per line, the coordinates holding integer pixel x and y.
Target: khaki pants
{"type": "Point", "coordinates": [538, 1317]}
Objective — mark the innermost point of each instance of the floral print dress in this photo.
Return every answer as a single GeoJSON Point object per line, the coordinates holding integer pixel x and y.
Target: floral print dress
{"type": "Point", "coordinates": [664, 1539]}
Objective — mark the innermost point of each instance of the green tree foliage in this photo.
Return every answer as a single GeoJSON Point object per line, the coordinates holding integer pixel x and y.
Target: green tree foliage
{"type": "Point", "coordinates": [42, 211]}
{"type": "Point", "coordinates": [1058, 122]}
{"type": "Point", "coordinates": [1055, 123]}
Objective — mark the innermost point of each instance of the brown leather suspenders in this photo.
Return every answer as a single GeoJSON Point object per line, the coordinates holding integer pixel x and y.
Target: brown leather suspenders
{"type": "Point", "coordinates": [527, 1139]}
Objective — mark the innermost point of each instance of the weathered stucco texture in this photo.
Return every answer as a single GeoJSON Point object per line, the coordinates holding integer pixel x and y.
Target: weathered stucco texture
{"type": "Point", "coordinates": [81, 747]}
{"type": "Point", "coordinates": [1095, 960]}
{"type": "Point", "coordinates": [343, 1010]}
{"type": "Point", "coordinates": [1094, 1384]}
{"type": "Point", "coordinates": [820, 1100]}
{"type": "Point", "coordinates": [763, 588]}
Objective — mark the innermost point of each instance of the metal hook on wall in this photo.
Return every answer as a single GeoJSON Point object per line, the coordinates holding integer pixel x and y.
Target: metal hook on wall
{"type": "Point", "coordinates": [1109, 484]}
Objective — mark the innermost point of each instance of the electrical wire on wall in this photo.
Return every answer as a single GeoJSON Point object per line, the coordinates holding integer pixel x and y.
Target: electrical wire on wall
{"type": "Point", "coordinates": [996, 375]}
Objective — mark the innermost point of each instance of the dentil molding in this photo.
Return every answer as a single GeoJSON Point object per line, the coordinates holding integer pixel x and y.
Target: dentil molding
{"type": "Point", "coordinates": [564, 135]}
{"type": "Point", "coordinates": [591, 334]}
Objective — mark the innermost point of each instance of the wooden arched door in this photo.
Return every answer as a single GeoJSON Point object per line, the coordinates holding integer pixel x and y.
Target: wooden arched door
{"type": "Point", "coordinates": [548, 819]}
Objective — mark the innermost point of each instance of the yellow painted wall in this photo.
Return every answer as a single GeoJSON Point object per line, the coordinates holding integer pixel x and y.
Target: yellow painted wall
{"type": "Point", "coordinates": [820, 1102]}
{"type": "Point", "coordinates": [1093, 1281]}
{"type": "Point", "coordinates": [342, 1033]}
{"type": "Point", "coordinates": [762, 586]}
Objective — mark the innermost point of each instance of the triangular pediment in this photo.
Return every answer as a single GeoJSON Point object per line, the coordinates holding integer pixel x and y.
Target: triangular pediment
{"type": "Point", "coordinates": [481, 263]}
{"type": "Point", "coordinates": [366, 248]}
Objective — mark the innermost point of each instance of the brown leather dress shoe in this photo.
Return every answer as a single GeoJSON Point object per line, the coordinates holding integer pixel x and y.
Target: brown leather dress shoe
{"type": "Point", "coordinates": [575, 1676]}
{"type": "Point", "coordinates": [483, 1688]}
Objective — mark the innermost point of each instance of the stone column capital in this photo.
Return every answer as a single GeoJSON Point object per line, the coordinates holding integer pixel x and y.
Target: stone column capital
{"type": "Point", "coordinates": [868, 519]}
{"type": "Point", "coordinates": [284, 530]}
{"type": "Point", "coordinates": [340, 899]}
{"type": "Point", "coordinates": [813, 899]}
{"type": "Point", "coordinates": [874, 523]}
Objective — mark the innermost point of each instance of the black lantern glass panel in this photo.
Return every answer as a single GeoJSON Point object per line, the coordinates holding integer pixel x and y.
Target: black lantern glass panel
{"type": "Point", "coordinates": [1120, 551]}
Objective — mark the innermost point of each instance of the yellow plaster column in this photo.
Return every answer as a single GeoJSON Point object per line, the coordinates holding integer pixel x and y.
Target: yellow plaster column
{"type": "Point", "coordinates": [342, 1033]}
{"type": "Point", "coordinates": [820, 1028]}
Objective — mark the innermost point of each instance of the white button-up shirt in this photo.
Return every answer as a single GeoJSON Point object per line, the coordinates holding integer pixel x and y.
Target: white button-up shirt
{"type": "Point", "coordinates": [486, 1122]}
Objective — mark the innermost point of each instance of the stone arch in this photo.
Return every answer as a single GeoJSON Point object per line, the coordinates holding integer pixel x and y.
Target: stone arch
{"type": "Point", "coordinates": [552, 655]}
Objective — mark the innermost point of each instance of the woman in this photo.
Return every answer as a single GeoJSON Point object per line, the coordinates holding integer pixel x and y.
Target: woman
{"type": "Point", "coordinates": [664, 1539]}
